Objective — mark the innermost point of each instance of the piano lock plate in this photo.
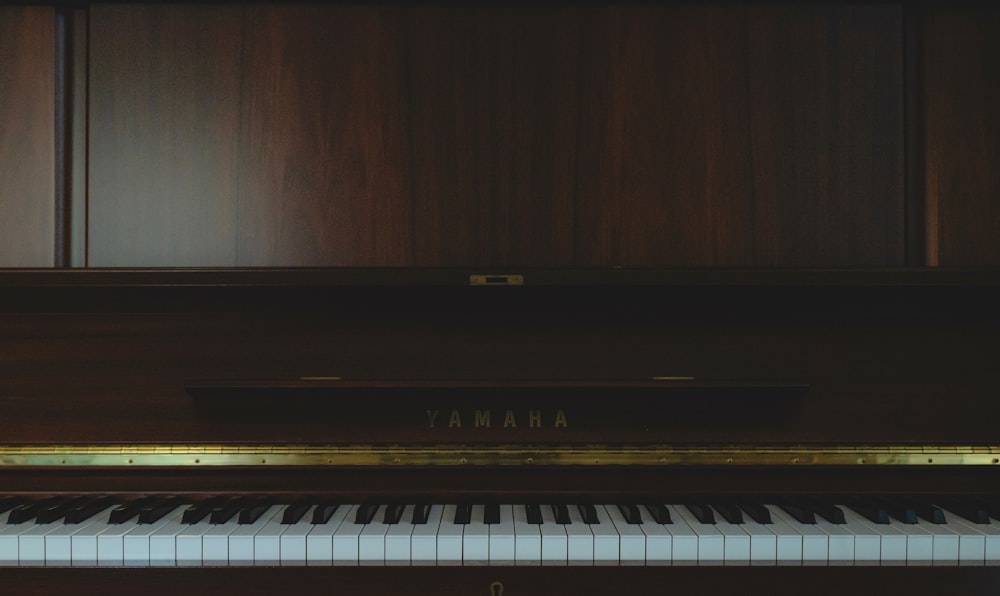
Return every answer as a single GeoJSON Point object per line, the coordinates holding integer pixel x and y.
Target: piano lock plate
{"type": "Point", "coordinates": [176, 455]}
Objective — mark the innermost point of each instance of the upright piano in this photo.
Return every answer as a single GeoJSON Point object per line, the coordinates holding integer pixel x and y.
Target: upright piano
{"type": "Point", "coordinates": [499, 432]}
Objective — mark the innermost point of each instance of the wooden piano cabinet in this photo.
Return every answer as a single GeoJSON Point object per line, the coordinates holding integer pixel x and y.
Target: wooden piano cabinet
{"type": "Point", "coordinates": [500, 134]}
{"type": "Point", "coordinates": [27, 136]}
{"type": "Point", "coordinates": [962, 85]}
{"type": "Point", "coordinates": [510, 581]}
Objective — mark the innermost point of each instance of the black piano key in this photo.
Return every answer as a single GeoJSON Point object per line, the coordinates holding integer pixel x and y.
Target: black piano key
{"type": "Point", "coordinates": [225, 511]}
{"type": "Point", "coordinates": [868, 508]}
{"type": "Point", "coordinates": [126, 511]}
{"type": "Point", "coordinates": [28, 510]}
{"type": "Point", "coordinates": [925, 510]}
{"type": "Point", "coordinates": [199, 511]}
{"type": "Point", "coordinates": [8, 503]}
{"type": "Point", "coordinates": [393, 513]}
{"type": "Point", "coordinates": [87, 510]}
{"type": "Point", "coordinates": [491, 514]}
{"type": "Point", "coordinates": [589, 514]}
{"type": "Point", "coordinates": [897, 509]}
{"type": "Point", "coordinates": [421, 511]}
{"type": "Point", "coordinates": [463, 514]}
{"type": "Point", "coordinates": [561, 513]}
{"type": "Point", "coordinates": [962, 508]}
{"type": "Point", "coordinates": [534, 513]}
{"type": "Point", "coordinates": [55, 511]}
{"type": "Point", "coordinates": [988, 504]}
{"type": "Point", "coordinates": [729, 512]}
{"type": "Point", "coordinates": [827, 511]}
{"type": "Point", "coordinates": [659, 512]}
{"type": "Point", "coordinates": [294, 513]}
{"type": "Point", "coordinates": [631, 513]}
{"type": "Point", "coordinates": [323, 512]}
{"type": "Point", "coordinates": [756, 512]}
{"type": "Point", "coordinates": [800, 513]}
{"type": "Point", "coordinates": [155, 511]}
{"type": "Point", "coordinates": [252, 510]}
{"type": "Point", "coordinates": [366, 513]}
{"type": "Point", "coordinates": [703, 513]}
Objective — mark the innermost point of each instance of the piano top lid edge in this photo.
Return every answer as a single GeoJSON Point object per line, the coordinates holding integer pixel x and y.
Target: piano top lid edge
{"type": "Point", "coordinates": [460, 276]}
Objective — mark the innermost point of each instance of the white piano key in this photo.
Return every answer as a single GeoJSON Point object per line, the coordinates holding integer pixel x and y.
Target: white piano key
{"type": "Point", "coordinates": [527, 539]}
{"type": "Point", "coordinates": [215, 542]}
{"type": "Point", "coordinates": [137, 543]}
{"type": "Point", "coordinates": [554, 544]}
{"type": "Point", "coordinates": [736, 549]}
{"type": "Point", "coordinates": [476, 539]}
{"type": "Point", "coordinates": [502, 538]}
{"type": "Point", "coordinates": [840, 542]}
{"type": "Point", "coordinates": [788, 548]}
{"type": "Point", "coordinates": [892, 542]}
{"type": "Point", "coordinates": [449, 538]}
{"type": "Point", "coordinates": [631, 540]}
{"type": "Point", "coordinates": [31, 543]}
{"type": "Point", "coordinates": [606, 545]}
{"type": "Point", "coordinates": [763, 541]}
{"type": "Point", "coordinates": [919, 542]}
{"type": "Point", "coordinates": [59, 544]}
{"type": "Point", "coordinates": [267, 540]}
{"type": "Point", "coordinates": [971, 541]}
{"type": "Point", "coordinates": [319, 540]}
{"type": "Point", "coordinates": [242, 541]}
{"type": "Point", "coordinates": [423, 539]}
{"type": "Point", "coordinates": [815, 543]}
{"type": "Point", "coordinates": [397, 539]}
{"type": "Point", "coordinates": [163, 540]}
{"type": "Point", "coordinates": [711, 543]}
{"type": "Point", "coordinates": [345, 540]}
{"type": "Point", "coordinates": [944, 550]}
{"type": "Point", "coordinates": [659, 542]}
{"type": "Point", "coordinates": [291, 541]}
{"type": "Point", "coordinates": [188, 543]}
{"type": "Point", "coordinates": [684, 540]}
{"type": "Point", "coordinates": [371, 540]}
{"type": "Point", "coordinates": [579, 539]}
{"type": "Point", "coordinates": [8, 541]}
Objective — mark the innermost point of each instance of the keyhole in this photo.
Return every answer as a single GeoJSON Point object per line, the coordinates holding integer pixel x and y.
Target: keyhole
{"type": "Point", "coordinates": [496, 589]}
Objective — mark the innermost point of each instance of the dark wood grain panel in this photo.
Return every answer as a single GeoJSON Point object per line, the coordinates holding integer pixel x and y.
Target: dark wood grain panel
{"type": "Point", "coordinates": [164, 122]}
{"type": "Point", "coordinates": [826, 121]}
{"type": "Point", "coordinates": [27, 136]}
{"type": "Point", "coordinates": [962, 87]}
{"type": "Point", "coordinates": [497, 135]}
{"type": "Point", "coordinates": [324, 146]}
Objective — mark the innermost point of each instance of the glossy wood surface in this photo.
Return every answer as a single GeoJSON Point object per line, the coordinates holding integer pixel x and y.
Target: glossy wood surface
{"type": "Point", "coordinates": [884, 364]}
{"type": "Point", "coordinates": [27, 152]}
{"type": "Point", "coordinates": [496, 135]}
{"type": "Point", "coordinates": [962, 79]}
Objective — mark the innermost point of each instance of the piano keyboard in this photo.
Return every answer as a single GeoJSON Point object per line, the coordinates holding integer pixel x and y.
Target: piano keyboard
{"type": "Point", "coordinates": [243, 531]}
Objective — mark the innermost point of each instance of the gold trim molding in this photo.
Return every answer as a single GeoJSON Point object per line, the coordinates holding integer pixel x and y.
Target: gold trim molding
{"type": "Point", "coordinates": [177, 455]}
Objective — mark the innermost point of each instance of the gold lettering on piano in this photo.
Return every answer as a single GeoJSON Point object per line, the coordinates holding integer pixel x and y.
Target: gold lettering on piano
{"type": "Point", "coordinates": [483, 418]}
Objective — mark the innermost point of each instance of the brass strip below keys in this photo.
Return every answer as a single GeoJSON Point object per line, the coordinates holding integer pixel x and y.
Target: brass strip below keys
{"type": "Point", "coordinates": [177, 455]}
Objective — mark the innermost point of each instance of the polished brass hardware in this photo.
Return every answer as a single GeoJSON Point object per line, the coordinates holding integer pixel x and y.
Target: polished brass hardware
{"type": "Point", "coordinates": [123, 456]}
